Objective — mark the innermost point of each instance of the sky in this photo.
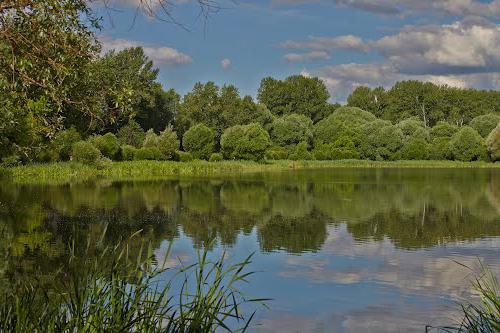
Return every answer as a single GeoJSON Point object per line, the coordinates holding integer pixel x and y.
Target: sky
{"type": "Point", "coordinates": [346, 43]}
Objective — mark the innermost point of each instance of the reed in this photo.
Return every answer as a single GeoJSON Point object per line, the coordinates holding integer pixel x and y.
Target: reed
{"type": "Point", "coordinates": [118, 291]}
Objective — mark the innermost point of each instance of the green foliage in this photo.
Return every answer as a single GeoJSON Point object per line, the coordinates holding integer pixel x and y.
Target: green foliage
{"type": "Point", "coordinates": [295, 94]}
{"type": "Point", "coordinates": [60, 147]}
{"type": "Point", "coordinates": [493, 143]}
{"type": "Point", "coordinates": [484, 124]}
{"type": "Point", "coordinates": [147, 153]}
{"type": "Point", "coordinates": [85, 152]}
{"type": "Point", "coordinates": [159, 109]}
{"type": "Point", "coordinates": [343, 148]}
{"type": "Point", "coordinates": [199, 140]}
{"type": "Point", "coordinates": [216, 157]}
{"type": "Point", "coordinates": [168, 143]}
{"type": "Point", "coordinates": [443, 130]}
{"type": "Point", "coordinates": [131, 134]}
{"type": "Point", "coordinates": [416, 148]}
{"type": "Point", "coordinates": [410, 126]}
{"type": "Point", "coordinates": [440, 149]}
{"type": "Point", "coordinates": [184, 157]}
{"type": "Point", "coordinates": [381, 141]}
{"type": "Point", "coordinates": [467, 145]}
{"type": "Point", "coordinates": [371, 100]}
{"type": "Point", "coordinates": [128, 152]}
{"type": "Point", "coordinates": [291, 130]}
{"type": "Point", "coordinates": [277, 153]}
{"type": "Point", "coordinates": [300, 152]}
{"type": "Point", "coordinates": [246, 142]}
{"type": "Point", "coordinates": [107, 144]}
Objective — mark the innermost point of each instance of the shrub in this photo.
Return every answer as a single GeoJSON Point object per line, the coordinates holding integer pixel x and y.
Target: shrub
{"type": "Point", "coordinates": [277, 153]}
{"type": "Point", "coordinates": [4, 172]}
{"type": "Point", "coordinates": [485, 124]}
{"type": "Point", "coordinates": [443, 129]}
{"type": "Point", "coordinates": [341, 149]}
{"type": "Point", "coordinates": [184, 157]}
{"type": "Point", "coordinates": [103, 163]}
{"type": "Point", "coordinates": [247, 142]}
{"type": "Point", "coordinates": [467, 145]}
{"type": "Point", "coordinates": [147, 153]}
{"type": "Point", "coordinates": [409, 126]}
{"type": "Point", "coordinates": [216, 157]}
{"type": "Point", "coordinates": [11, 161]}
{"type": "Point", "coordinates": [131, 134]}
{"type": "Point", "coordinates": [168, 143]}
{"type": "Point", "coordinates": [440, 149]}
{"type": "Point", "coordinates": [300, 153]}
{"type": "Point", "coordinates": [199, 140]}
{"type": "Point", "coordinates": [381, 141]}
{"type": "Point", "coordinates": [292, 129]}
{"type": "Point", "coordinates": [415, 148]}
{"type": "Point", "coordinates": [420, 133]}
{"type": "Point", "coordinates": [128, 152]}
{"type": "Point", "coordinates": [60, 147]}
{"type": "Point", "coordinates": [322, 152]}
{"type": "Point", "coordinates": [107, 144]}
{"type": "Point", "coordinates": [150, 139]}
{"type": "Point", "coordinates": [85, 152]}
{"type": "Point", "coordinates": [493, 143]}
{"type": "Point", "coordinates": [345, 121]}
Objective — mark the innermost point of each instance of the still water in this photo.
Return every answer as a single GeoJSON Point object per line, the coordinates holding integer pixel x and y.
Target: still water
{"type": "Point", "coordinates": [339, 250]}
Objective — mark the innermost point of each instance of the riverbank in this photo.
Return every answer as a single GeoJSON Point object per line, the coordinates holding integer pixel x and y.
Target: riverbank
{"type": "Point", "coordinates": [68, 172]}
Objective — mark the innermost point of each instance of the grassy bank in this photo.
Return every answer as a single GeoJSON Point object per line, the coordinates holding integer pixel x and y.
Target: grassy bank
{"type": "Point", "coordinates": [67, 172]}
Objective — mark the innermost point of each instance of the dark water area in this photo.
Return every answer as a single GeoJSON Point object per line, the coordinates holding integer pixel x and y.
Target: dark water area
{"type": "Point", "coordinates": [344, 250]}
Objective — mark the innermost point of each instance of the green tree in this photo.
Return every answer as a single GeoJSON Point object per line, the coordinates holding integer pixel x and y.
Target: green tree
{"type": "Point", "coordinates": [60, 147]}
{"type": "Point", "coordinates": [493, 143]}
{"type": "Point", "coordinates": [107, 144]}
{"type": "Point", "coordinates": [485, 124]}
{"type": "Point", "coordinates": [467, 145]}
{"type": "Point", "coordinates": [295, 94]}
{"type": "Point", "coordinates": [292, 129]}
{"type": "Point", "coordinates": [160, 110]}
{"type": "Point", "coordinates": [371, 100]}
{"type": "Point", "coordinates": [199, 140]}
{"type": "Point", "coordinates": [443, 130]}
{"type": "Point", "coordinates": [415, 148]}
{"type": "Point", "coordinates": [168, 143]}
{"type": "Point", "coordinates": [85, 152]}
{"type": "Point", "coordinates": [131, 134]}
{"type": "Point", "coordinates": [246, 142]}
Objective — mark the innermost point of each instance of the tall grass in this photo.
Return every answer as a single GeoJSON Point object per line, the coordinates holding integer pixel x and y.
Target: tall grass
{"type": "Point", "coordinates": [69, 172]}
{"type": "Point", "coordinates": [119, 291]}
{"type": "Point", "coordinates": [482, 316]}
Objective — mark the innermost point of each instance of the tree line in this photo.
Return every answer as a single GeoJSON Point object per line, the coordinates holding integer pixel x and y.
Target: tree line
{"type": "Point", "coordinates": [62, 99]}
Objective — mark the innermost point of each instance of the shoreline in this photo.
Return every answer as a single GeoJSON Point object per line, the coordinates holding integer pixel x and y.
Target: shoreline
{"type": "Point", "coordinates": [69, 172]}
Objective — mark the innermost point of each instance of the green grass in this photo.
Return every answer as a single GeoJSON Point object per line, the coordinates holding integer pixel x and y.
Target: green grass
{"type": "Point", "coordinates": [118, 291]}
{"type": "Point", "coordinates": [68, 172]}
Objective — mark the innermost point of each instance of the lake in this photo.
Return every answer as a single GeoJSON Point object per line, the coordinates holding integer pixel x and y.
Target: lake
{"type": "Point", "coordinates": [344, 250]}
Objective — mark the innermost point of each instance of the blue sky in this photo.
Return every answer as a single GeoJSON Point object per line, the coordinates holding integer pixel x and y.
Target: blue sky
{"type": "Point", "coordinates": [345, 42]}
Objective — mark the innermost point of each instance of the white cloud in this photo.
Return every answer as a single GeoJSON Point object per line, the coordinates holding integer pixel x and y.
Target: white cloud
{"type": "Point", "coordinates": [300, 57]}
{"type": "Point", "coordinates": [162, 55]}
{"type": "Point", "coordinates": [347, 42]}
{"type": "Point", "coordinates": [226, 64]}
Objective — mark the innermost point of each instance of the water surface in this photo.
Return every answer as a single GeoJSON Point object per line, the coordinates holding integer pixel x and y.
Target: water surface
{"type": "Point", "coordinates": [344, 250]}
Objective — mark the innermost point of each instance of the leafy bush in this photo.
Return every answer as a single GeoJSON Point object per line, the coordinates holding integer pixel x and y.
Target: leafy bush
{"type": "Point", "coordinates": [147, 153]}
{"type": "Point", "coordinates": [300, 153]}
{"type": "Point", "coordinates": [60, 147]}
{"type": "Point", "coordinates": [443, 129]}
{"type": "Point", "coordinates": [131, 134]}
{"type": "Point", "coordinates": [292, 129]}
{"type": "Point", "coordinates": [199, 140]}
{"type": "Point", "coordinates": [184, 157]}
{"type": "Point", "coordinates": [168, 143]}
{"type": "Point", "coordinates": [107, 144]}
{"type": "Point", "coordinates": [11, 161]}
{"type": "Point", "coordinates": [342, 148]}
{"type": "Point", "coordinates": [85, 152]}
{"type": "Point", "coordinates": [150, 140]}
{"type": "Point", "coordinates": [216, 157]}
{"type": "Point", "coordinates": [381, 141]}
{"type": "Point", "coordinates": [247, 142]}
{"type": "Point", "coordinates": [277, 153]}
{"type": "Point", "coordinates": [103, 163]}
{"type": "Point", "coordinates": [493, 143]}
{"type": "Point", "coordinates": [420, 133]}
{"type": "Point", "coordinates": [415, 148]}
{"type": "Point", "coordinates": [344, 121]}
{"type": "Point", "coordinates": [409, 126]}
{"type": "Point", "coordinates": [128, 152]}
{"type": "Point", "coordinates": [4, 172]}
{"type": "Point", "coordinates": [440, 149]}
{"type": "Point", "coordinates": [467, 145]}
{"type": "Point", "coordinates": [485, 124]}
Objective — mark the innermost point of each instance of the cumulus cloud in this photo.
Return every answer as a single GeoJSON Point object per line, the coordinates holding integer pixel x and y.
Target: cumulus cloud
{"type": "Point", "coordinates": [408, 7]}
{"type": "Point", "coordinates": [301, 57]}
{"type": "Point", "coordinates": [226, 63]}
{"type": "Point", "coordinates": [162, 55]}
{"type": "Point", "coordinates": [347, 42]}
{"type": "Point", "coordinates": [458, 48]}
